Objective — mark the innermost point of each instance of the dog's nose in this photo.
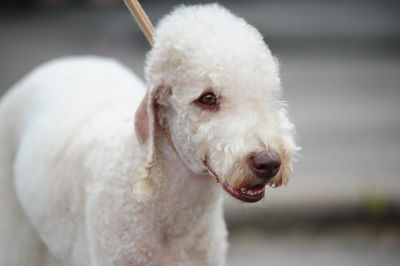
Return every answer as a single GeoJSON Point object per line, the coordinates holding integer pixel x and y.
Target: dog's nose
{"type": "Point", "coordinates": [265, 164]}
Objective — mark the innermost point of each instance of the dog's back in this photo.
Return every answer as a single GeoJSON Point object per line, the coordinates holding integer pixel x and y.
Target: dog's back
{"type": "Point", "coordinates": [47, 123]}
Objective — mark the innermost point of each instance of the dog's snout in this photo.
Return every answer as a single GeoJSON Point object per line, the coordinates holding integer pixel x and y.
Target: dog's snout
{"type": "Point", "coordinates": [265, 164]}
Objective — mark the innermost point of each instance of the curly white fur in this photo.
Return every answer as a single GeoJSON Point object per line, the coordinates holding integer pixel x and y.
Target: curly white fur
{"type": "Point", "coordinates": [216, 49]}
{"type": "Point", "coordinates": [73, 151]}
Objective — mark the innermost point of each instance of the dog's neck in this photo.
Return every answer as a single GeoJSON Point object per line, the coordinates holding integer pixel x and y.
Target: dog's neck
{"type": "Point", "coordinates": [194, 197]}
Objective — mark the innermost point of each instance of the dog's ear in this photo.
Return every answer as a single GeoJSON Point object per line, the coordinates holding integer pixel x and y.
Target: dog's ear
{"type": "Point", "coordinates": [146, 120]}
{"type": "Point", "coordinates": [147, 116]}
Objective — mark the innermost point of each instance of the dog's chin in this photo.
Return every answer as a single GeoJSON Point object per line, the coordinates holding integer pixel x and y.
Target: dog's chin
{"type": "Point", "coordinates": [246, 194]}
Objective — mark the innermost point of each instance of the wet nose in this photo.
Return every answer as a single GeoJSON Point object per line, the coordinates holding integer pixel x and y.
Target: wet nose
{"type": "Point", "coordinates": [265, 164]}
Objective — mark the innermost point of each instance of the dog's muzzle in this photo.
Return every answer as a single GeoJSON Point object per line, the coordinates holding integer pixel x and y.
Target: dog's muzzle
{"type": "Point", "coordinates": [265, 164]}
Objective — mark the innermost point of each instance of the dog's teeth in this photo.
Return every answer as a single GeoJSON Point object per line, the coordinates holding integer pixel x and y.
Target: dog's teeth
{"type": "Point", "coordinates": [252, 193]}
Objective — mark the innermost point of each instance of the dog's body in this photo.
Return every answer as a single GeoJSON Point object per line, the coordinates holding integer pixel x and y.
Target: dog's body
{"type": "Point", "coordinates": [74, 150]}
{"type": "Point", "coordinates": [83, 181]}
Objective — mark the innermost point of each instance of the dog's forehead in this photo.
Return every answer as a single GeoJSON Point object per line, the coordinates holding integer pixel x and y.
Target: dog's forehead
{"type": "Point", "coordinates": [205, 47]}
{"type": "Point", "coordinates": [238, 78]}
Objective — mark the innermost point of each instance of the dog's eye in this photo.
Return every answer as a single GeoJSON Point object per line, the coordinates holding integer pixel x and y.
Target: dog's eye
{"type": "Point", "coordinates": [208, 99]}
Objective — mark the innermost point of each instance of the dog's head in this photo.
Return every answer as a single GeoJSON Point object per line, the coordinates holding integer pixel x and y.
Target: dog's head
{"type": "Point", "coordinates": [216, 90]}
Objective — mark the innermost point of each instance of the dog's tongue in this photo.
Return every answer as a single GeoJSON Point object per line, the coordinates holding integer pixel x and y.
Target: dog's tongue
{"type": "Point", "coordinates": [255, 189]}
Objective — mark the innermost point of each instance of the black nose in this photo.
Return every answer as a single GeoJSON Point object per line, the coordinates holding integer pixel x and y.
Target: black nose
{"type": "Point", "coordinates": [265, 164]}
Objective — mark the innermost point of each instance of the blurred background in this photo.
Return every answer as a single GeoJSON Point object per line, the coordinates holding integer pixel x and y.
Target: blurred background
{"type": "Point", "coordinates": [341, 74]}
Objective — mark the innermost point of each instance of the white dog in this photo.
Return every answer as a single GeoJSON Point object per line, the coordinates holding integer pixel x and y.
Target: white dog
{"type": "Point", "coordinates": [85, 181]}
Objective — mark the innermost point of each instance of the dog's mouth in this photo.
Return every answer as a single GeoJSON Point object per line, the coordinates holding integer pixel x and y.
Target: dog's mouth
{"type": "Point", "coordinates": [246, 194]}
